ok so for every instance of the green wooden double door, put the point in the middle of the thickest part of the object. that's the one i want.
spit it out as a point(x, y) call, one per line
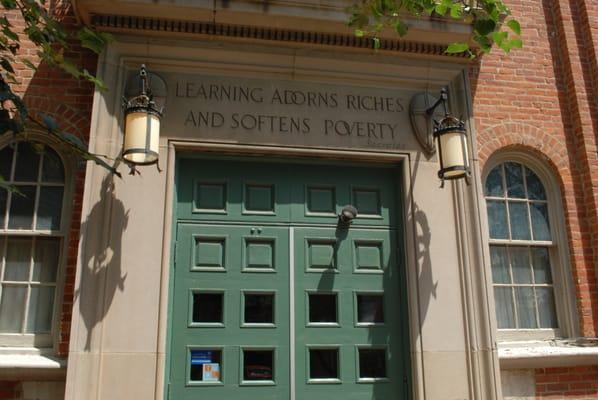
point(272, 298)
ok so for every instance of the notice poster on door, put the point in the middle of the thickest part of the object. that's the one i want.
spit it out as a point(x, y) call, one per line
point(211, 372)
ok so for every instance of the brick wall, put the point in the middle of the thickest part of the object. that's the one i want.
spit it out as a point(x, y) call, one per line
point(574, 382)
point(543, 100)
point(69, 101)
point(9, 390)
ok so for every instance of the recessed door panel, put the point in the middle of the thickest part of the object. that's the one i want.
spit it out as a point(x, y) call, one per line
point(230, 335)
point(272, 298)
point(349, 312)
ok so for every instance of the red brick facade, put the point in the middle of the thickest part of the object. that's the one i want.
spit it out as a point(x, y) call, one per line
point(567, 383)
point(69, 101)
point(543, 100)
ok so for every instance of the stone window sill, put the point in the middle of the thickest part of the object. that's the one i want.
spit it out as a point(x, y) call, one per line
point(548, 353)
point(30, 363)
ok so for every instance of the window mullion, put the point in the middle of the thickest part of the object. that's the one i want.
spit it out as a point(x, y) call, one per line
point(38, 191)
point(527, 208)
point(506, 199)
point(513, 298)
point(536, 308)
point(7, 211)
point(28, 295)
point(3, 265)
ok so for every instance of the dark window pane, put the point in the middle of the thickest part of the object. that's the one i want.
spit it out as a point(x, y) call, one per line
point(520, 264)
point(52, 169)
point(535, 189)
point(3, 200)
point(494, 183)
point(21, 208)
point(541, 264)
point(41, 303)
point(505, 311)
point(49, 209)
point(45, 260)
point(322, 307)
point(514, 176)
point(259, 308)
point(370, 308)
point(258, 365)
point(323, 364)
point(519, 222)
point(540, 224)
point(500, 264)
point(6, 162)
point(206, 366)
point(208, 307)
point(372, 363)
point(27, 166)
point(546, 308)
point(497, 219)
point(12, 308)
point(18, 259)
point(526, 308)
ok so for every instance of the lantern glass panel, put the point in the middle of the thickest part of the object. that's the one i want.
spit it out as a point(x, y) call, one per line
point(453, 153)
point(136, 137)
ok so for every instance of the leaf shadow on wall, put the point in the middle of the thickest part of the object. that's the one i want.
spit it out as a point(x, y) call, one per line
point(101, 270)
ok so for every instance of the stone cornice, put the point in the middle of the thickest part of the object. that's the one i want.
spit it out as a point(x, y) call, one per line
point(121, 23)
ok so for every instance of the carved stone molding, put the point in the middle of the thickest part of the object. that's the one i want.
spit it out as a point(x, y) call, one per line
point(128, 23)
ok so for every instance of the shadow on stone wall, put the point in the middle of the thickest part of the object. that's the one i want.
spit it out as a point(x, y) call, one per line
point(101, 266)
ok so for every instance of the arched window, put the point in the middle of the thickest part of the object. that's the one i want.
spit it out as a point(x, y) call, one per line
point(522, 248)
point(32, 235)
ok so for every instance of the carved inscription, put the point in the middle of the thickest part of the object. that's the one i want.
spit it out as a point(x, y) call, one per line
point(308, 112)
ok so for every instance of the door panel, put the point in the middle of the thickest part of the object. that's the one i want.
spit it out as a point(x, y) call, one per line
point(231, 297)
point(270, 294)
point(363, 279)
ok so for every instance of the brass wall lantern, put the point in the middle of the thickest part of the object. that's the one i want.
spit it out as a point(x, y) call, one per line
point(448, 132)
point(142, 125)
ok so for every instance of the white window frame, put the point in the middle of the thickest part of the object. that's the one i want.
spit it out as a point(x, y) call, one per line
point(563, 289)
point(45, 340)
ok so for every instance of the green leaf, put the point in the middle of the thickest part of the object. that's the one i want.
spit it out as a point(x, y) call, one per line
point(456, 11)
point(359, 33)
point(401, 28)
point(10, 34)
point(376, 43)
point(5, 63)
point(517, 43)
point(9, 4)
point(94, 41)
point(29, 64)
point(499, 37)
point(454, 48)
point(9, 187)
point(506, 46)
point(441, 9)
point(96, 81)
point(484, 42)
point(514, 25)
point(484, 26)
point(69, 67)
